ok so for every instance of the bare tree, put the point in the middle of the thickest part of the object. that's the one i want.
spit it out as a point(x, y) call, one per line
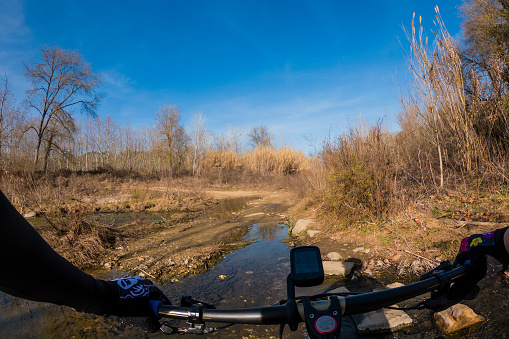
point(62, 81)
point(231, 140)
point(12, 121)
point(260, 137)
point(199, 138)
point(175, 141)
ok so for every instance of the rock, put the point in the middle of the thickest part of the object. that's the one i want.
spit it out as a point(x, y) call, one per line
point(341, 289)
point(395, 285)
point(301, 225)
point(334, 256)
point(361, 249)
point(384, 321)
point(254, 215)
point(312, 233)
point(455, 318)
point(337, 267)
point(30, 214)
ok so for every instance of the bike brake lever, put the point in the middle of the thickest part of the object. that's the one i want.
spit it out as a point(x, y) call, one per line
point(445, 265)
point(187, 301)
point(443, 302)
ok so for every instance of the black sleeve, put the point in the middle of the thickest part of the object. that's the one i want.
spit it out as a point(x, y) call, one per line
point(31, 269)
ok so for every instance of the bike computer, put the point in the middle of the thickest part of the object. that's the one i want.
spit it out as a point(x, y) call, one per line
point(306, 266)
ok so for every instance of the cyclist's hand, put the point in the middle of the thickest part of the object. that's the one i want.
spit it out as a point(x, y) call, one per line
point(132, 306)
point(474, 251)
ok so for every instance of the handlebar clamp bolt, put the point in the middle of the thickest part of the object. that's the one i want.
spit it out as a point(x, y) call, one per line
point(311, 316)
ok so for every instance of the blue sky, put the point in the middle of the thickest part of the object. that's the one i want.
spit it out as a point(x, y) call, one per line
point(301, 68)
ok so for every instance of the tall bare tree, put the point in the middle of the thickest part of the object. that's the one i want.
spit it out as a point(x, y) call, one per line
point(62, 82)
point(12, 121)
point(260, 137)
point(175, 141)
point(199, 138)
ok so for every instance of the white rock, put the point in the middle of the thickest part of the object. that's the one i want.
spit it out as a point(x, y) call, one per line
point(337, 268)
point(254, 214)
point(341, 289)
point(312, 233)
point(384, 321)
point(30, 214)
point(361, 249)
point(334, 256)
point(301, 225)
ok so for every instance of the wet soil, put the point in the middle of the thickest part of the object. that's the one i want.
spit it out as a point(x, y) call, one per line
point(163, 249)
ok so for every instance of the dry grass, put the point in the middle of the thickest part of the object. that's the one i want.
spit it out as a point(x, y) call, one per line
point(454, 124)
point(284, 161)
point(80, 241)
point(361, 175)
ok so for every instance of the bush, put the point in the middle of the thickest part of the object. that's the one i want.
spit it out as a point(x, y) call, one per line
point(360, 175)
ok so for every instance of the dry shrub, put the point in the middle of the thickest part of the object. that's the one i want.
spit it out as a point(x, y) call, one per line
point(222, 159)
point(283, 160)
point(80, 241)
point(360, 175)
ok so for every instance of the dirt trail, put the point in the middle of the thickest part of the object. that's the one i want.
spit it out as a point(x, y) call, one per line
point(165, 252)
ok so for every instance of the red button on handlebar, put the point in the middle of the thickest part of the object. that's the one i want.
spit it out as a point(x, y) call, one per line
point(326, 324)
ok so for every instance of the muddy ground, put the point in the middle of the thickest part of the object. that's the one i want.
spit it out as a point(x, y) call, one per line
point(167, 234)
point(166, 245)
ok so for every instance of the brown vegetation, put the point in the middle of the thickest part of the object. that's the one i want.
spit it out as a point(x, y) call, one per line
point(453, 129)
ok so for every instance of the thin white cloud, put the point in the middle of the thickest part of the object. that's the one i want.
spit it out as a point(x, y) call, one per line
point(118, 80)
point(12, 22)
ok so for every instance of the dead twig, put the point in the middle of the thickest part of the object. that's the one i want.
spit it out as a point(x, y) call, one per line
point(146, 273)
point(434, 262)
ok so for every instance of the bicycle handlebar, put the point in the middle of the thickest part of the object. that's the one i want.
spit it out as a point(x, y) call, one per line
point(350, 305)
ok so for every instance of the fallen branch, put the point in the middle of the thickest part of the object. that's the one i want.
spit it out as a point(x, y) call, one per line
point(434, 262)
point(146, 273)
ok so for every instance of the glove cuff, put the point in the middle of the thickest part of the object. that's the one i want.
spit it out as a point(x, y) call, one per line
point(105, 300)
point(501, 251)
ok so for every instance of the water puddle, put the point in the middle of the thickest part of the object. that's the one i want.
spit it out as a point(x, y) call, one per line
point(227, 209)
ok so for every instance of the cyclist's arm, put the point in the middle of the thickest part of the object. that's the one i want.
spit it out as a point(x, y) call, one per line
point(31, 269)
point(506, 240)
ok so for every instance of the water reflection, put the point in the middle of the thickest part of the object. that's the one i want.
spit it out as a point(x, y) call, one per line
point(264, 231)
point(228, 208)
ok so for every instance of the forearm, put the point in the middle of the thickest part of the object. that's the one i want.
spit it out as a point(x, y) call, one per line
point(31, 269)
point(506, 240)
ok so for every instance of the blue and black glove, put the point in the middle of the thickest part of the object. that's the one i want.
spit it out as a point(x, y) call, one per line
point(132, 305)
point(474, 251)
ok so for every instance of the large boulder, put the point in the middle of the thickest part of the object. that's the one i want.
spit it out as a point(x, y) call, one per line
point(384, 320)
point(302, 225)
point(334, 256)
point(341, 268)
point(455, 318)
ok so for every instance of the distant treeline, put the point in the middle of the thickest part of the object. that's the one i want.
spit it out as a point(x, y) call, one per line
point(43, 134)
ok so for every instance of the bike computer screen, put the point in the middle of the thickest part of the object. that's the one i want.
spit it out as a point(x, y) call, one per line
point(306, 265)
